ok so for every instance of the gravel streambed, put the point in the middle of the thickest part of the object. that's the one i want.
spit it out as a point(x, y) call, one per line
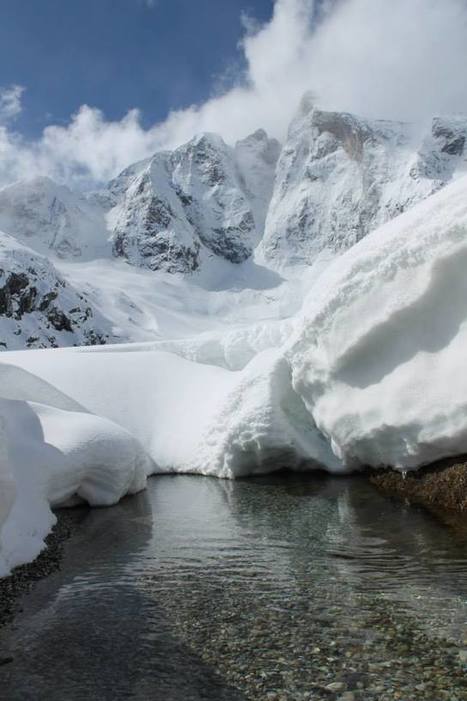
point(309, 651)
point(23, 578)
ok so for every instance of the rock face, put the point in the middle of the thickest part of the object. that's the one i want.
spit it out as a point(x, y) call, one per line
point(340, 176)
point(38, 307)
point(204, 199)
point(53, 220)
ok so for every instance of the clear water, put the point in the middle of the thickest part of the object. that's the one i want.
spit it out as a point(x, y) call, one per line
point(270, 588)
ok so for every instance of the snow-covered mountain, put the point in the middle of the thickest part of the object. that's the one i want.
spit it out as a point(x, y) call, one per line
point(53, 220)
point(340, 176)
point(39, 308)
point(212, 217)
point(204, 199)
point(225, 366)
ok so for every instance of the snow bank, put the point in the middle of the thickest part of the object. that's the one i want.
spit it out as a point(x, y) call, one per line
point(380, 358)
point(50, 454)
point(7, 488)
point(190, 417)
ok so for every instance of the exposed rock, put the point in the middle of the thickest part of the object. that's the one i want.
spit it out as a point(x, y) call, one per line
point(340, 176)
point(441, 487)
point(176, 209)
point(39, 308)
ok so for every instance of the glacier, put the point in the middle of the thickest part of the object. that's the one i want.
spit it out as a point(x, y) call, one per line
point(360, 363)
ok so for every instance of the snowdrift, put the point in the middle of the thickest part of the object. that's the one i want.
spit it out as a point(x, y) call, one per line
point(53, 453)
point(380, 360)
point(371, 371)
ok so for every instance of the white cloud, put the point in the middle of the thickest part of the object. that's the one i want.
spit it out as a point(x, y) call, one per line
point(10, 102)
point(402, 59)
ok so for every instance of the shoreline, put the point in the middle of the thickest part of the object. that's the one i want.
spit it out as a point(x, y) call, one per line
point(23, 578)
point(440, 487)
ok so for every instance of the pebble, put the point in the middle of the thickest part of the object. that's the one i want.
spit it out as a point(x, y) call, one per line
point(335, 686)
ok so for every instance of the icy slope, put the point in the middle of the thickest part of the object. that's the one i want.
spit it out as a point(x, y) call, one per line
point(340, 177)
point(52, 220)
point(380, 361)
point(205, 199)
point(39, 308)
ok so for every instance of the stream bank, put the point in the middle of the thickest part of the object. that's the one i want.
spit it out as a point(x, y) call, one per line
point(440, 487)
point(23, 578)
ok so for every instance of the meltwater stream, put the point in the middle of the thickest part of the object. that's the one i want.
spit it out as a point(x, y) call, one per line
point(285, 587)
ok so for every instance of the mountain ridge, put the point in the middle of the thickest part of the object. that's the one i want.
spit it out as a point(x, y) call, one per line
point(207, 206)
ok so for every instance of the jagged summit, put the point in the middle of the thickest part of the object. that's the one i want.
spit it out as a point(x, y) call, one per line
point(340, 176)
point(212, 212)
point(205, 198)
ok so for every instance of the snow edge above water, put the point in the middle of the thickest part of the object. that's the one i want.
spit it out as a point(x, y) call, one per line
point(373, 374)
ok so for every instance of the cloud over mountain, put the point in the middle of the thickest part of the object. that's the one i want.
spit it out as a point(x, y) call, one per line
point(395, 60)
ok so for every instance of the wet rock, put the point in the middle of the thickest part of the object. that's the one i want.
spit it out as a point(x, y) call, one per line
point(441, 487)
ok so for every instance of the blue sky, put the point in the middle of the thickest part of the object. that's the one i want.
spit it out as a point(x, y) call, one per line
point(156, 55)
point(85, 63)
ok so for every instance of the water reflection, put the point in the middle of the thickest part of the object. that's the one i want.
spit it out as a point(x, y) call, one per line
point(261, 579)
point(90, 632)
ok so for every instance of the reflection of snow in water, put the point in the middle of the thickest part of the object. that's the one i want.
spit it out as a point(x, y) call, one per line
point(247, 571)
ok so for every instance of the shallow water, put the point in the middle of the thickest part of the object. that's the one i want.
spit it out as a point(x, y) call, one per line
point(271, 588)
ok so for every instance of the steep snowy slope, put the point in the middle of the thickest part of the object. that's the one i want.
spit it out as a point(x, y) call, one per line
point(256, 158)
point(339, 177)
point(39, 308)
point(52, 220)
point(177, 209)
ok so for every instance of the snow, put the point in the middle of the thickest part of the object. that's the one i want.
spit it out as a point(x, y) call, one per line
point(339, 177)
point(380, 357)
point(53, 220)
point(344, 359)
point(370, 371)
point(51, 455)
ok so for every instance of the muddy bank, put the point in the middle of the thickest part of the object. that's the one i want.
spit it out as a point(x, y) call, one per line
point(440, 487)
point(22, 578)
